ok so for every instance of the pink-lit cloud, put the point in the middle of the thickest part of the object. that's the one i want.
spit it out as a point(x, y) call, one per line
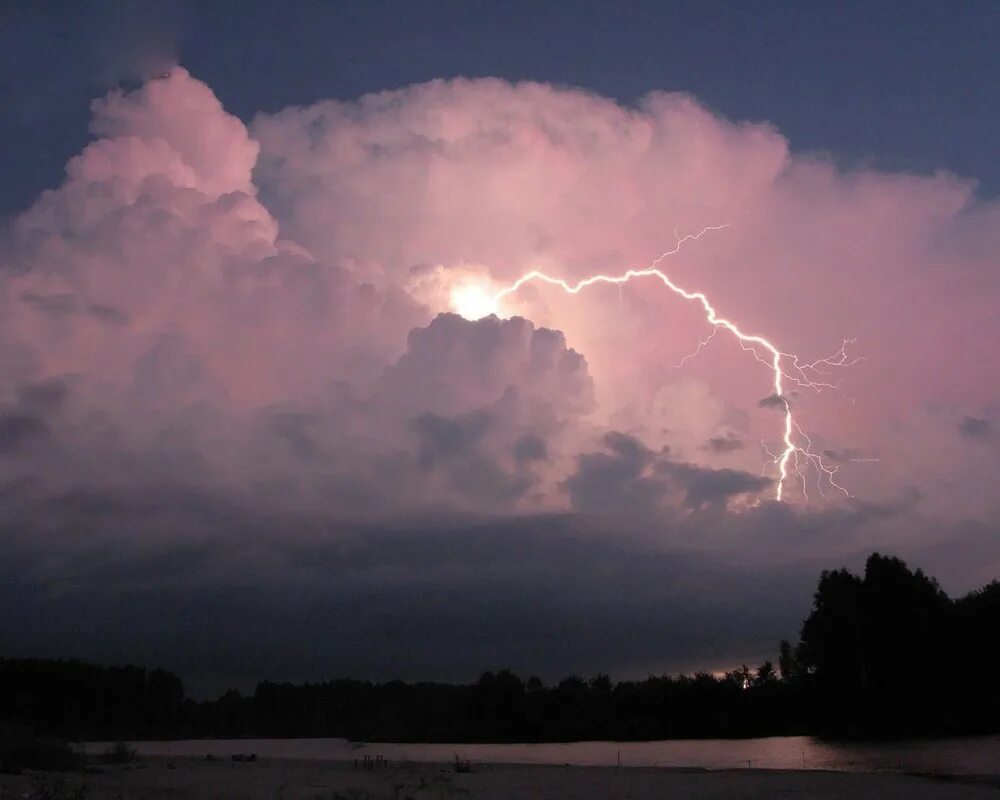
point(257, 313)
point(503, 178)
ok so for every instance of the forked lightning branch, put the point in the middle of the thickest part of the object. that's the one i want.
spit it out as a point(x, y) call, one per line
point(796, 452)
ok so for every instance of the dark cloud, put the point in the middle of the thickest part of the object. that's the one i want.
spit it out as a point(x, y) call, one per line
point(975, 428)
point(772, 401)
point(214, 588)
point(616, 482)
point(840, 456)
point(703, 486)
point(549, 595)
point(46, 396)
point(530, 447)
point(632, 479)
point(454, 365)
point(442, 438)
point(56, 305)
point(454, 447)
point(726, 443)
point(17, 430)
point(26, 420)
point(107, 314)
point(298, 431)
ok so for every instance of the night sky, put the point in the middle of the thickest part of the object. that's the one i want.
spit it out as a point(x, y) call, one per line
point(257, 420)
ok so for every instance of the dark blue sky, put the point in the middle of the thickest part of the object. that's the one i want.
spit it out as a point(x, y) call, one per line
point(905, 86)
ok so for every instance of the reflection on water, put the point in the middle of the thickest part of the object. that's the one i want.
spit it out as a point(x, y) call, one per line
point(967, 756)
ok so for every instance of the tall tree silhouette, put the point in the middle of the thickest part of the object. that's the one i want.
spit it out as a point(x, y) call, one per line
point(882, 654)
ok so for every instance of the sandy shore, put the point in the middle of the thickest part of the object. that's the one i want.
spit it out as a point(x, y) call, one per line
point(191, 779)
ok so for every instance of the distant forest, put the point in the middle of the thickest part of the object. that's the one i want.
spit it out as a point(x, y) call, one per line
point(886, 654)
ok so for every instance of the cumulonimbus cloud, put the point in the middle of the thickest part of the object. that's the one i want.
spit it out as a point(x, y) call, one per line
point(228, 373)
point(262, 313)
point(503, 178)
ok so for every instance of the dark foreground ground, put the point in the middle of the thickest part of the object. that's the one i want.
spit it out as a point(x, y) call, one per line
point(190, 779)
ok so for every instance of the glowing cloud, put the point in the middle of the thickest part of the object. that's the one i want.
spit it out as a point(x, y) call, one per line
point(233, 306)
point(796, 444)
point(473, 301)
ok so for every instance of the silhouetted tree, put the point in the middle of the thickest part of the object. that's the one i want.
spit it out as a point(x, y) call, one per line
point(764, 675)
point(887, 653)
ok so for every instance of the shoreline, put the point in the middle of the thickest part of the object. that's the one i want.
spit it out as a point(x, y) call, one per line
point(958, 756)
point(187, 778)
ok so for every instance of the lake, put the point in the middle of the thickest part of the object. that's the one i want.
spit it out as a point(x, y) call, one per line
point(973, 755)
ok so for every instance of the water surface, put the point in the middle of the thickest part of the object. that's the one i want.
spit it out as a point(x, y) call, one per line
point(977, 755)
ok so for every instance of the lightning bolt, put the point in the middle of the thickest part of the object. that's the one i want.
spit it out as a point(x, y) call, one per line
point(797, 449)
point(697, 351)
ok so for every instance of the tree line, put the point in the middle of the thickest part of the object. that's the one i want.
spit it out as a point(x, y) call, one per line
point(886, 653)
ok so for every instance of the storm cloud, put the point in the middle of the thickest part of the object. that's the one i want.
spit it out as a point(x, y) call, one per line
point(232, 385)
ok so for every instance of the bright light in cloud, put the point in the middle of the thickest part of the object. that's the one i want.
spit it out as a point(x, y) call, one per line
point(309, 325)
point(473, 301)
point(803, 375)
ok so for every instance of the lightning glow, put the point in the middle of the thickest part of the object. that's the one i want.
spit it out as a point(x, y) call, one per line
point(473, 301)
point(797, 450)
